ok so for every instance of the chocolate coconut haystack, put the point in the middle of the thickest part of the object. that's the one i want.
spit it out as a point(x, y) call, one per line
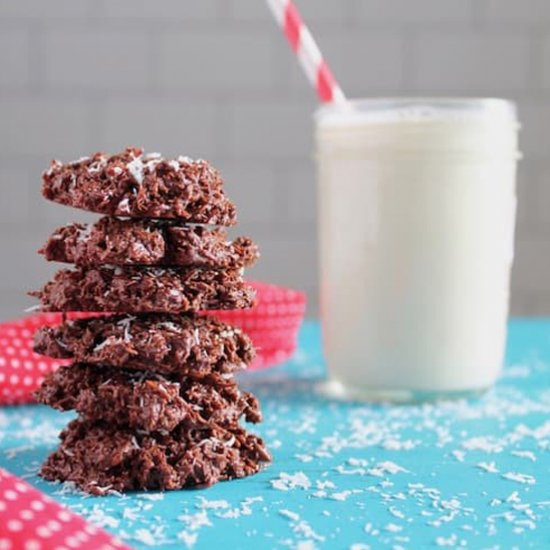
point(152, 381)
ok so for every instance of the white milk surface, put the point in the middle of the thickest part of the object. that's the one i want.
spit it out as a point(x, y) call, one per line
point(417, 213)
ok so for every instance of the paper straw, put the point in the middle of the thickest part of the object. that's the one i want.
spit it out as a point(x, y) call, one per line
point(305, 47)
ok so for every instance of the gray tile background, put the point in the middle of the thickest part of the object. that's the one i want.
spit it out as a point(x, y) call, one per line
point(213, 78)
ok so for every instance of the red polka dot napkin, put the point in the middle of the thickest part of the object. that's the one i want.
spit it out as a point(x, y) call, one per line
point(30, 520)
point(272, 325)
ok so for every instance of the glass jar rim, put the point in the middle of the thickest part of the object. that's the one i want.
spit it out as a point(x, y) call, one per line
point(416, 109)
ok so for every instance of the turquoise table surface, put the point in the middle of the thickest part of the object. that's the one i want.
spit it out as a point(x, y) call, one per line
point(470, 474)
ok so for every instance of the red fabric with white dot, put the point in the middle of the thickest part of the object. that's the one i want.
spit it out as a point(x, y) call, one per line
point(272, 325)
point(30, 520)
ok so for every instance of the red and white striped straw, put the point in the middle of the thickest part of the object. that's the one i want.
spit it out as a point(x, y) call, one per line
point(305, 47)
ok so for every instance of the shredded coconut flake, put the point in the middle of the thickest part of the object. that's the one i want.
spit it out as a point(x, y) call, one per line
point(489, 467)
point(213, 504)
point(286, 482)
point(386, 467)
point(290, 515)
point(144, 536)
point(196, 521)
point(525, 454)
point(459, 455)
point(135, 167)
point(189, 539)
point(520, 478)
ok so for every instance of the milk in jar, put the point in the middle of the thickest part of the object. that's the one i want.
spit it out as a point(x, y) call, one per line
point(416, 216)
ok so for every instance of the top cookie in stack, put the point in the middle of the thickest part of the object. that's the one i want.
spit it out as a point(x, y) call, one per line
point(175, 422)
point(141, 186)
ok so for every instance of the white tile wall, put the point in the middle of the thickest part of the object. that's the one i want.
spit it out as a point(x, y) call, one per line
point(377, 60)
point(85, 59)
point(535, 119)
point(255, 189)
point(213, 78)
point(545, 62)
point(230, 62)
point(540, 207)
point(14, 58)
point(530, 11)
point(52, 9)
point(490, 62)
point(265, 129)
point(168, 125)
point(43, 126)
point(420, 11)
point(166, 10)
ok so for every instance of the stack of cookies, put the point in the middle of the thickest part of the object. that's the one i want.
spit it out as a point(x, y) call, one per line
point(151, 379)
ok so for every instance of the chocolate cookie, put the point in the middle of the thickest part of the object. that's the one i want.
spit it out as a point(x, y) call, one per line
point(143, 289)
point(148, 242)
point(137, 185)
point(170, 344)
point(146, 401)
point(100, 458)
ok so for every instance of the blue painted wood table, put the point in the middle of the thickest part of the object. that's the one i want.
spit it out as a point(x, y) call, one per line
point(460, 474)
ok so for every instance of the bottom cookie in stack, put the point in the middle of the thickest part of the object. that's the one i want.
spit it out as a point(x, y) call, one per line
point(100, 458)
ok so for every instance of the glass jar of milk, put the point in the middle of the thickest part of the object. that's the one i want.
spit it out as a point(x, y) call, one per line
point(417, 214)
